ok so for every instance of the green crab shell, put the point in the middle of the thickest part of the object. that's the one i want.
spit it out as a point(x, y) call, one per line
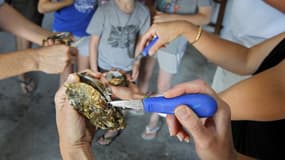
point(90, 103)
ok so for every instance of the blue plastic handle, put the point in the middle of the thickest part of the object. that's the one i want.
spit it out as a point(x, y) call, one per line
point(150, 44)
point(202, 104)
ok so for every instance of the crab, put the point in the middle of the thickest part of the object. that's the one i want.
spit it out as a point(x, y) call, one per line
point(89, 97)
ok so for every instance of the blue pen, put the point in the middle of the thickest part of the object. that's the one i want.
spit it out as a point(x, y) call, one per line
point(145, 51)
point(202, 104)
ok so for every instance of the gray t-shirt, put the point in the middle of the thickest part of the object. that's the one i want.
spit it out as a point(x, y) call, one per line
point(178, 45)
point(118, 34)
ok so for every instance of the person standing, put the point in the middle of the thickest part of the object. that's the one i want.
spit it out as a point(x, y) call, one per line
point(72, 16)
point(169, 57)
point(115, 29)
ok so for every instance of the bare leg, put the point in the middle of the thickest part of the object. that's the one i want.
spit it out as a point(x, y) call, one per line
point(65, 73)
point(164, 82)
point(83, 63)
point(146, 69)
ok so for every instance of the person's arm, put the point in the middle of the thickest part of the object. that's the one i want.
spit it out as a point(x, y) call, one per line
point(93, 53)
point(52, 59)
point(202, 17)
point(278, 4)
point(259, 98)
point(229, 55)
point(45, 6)
point(20, 26)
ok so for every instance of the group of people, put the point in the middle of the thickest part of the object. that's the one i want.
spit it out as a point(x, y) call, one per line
point(257, 99)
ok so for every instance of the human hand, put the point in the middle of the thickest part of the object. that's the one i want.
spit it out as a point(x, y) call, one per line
point(212, 136)
point(161, 17)
point(165, 31)
point(75, 132)
point(127, 93)
point(54, 59)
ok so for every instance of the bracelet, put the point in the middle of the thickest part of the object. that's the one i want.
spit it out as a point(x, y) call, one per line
point(198, 36)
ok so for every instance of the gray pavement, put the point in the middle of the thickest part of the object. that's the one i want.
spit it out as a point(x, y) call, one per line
point(27, 122)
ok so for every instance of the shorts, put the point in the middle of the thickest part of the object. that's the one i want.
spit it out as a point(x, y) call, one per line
point(28, 8)
point(169, 62)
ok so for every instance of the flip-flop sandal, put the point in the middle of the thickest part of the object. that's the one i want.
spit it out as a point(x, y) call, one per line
point(150, 133)
point(28, 85)
point(108, 140)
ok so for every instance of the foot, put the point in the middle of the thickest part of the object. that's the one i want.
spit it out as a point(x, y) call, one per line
point(108, 137)
point(150, 133)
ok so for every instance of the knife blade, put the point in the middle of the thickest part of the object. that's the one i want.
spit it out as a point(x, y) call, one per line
point(202, 104)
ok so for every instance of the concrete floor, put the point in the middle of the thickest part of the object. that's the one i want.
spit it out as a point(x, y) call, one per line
point(27, 122)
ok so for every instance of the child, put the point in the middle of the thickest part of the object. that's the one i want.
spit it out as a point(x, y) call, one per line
point(115, 30)
point(72, 16)
point(196, 12)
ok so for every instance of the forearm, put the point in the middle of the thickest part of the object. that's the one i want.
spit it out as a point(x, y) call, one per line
point(19, 62)
point(197, 19)
point(93, 60)
point(83, 152)
point(93, 52)
point(224, 53)
point(49, 6)
point(20, 26)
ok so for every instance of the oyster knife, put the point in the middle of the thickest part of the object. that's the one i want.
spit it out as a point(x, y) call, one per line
point(202, 104)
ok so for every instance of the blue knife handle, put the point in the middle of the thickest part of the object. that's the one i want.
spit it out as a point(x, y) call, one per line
point(150, 44)
point(202, 104)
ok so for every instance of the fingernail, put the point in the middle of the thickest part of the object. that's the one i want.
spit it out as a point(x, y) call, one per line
point(179, 137)
point(181, 112)
point(70, 78)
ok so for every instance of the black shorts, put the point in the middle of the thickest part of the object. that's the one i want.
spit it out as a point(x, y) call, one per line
point(28, 8)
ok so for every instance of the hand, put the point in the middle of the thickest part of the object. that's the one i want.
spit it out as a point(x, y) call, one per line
point(127, 93)
point(166, 33)
point(75, 133)
point(161, 17)
point(212, 136)
point(135, 71)
point(54, 59)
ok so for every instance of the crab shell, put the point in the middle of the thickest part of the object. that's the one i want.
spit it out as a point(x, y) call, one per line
point(91, 103)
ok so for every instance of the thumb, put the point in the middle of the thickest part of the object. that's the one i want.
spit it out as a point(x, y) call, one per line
point(72, 78)
point(190, 122)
